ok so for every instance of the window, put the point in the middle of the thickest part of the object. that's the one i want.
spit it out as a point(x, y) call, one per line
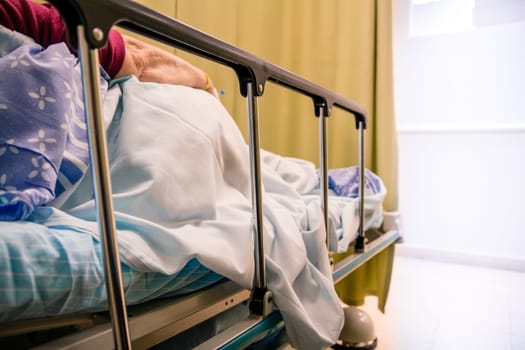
point(489, 12)
point(433, 17)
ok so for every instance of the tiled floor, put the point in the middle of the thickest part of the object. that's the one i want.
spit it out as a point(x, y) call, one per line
point(440, 306)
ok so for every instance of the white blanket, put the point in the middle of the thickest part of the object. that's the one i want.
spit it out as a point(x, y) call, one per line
point(181, 189)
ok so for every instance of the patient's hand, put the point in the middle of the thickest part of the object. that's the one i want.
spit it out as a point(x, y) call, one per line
point(152, 64)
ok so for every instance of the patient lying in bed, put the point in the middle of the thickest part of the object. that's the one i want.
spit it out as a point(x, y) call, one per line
point(180, 177)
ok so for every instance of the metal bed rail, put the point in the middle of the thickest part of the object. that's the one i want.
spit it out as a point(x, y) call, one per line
point(88, 23)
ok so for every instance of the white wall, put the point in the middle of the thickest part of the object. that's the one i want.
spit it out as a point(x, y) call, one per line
point(460, 104)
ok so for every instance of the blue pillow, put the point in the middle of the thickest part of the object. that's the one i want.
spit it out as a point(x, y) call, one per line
point(43, 138)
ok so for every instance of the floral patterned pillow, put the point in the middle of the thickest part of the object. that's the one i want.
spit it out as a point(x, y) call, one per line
point(43, 140)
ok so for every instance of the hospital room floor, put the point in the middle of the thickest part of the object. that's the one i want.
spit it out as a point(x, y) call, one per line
point(441, 306)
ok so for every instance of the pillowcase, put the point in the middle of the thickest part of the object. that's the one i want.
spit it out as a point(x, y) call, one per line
point(345, 182)
point(43, 138)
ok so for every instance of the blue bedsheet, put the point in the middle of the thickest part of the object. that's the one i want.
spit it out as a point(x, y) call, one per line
point(50, 269)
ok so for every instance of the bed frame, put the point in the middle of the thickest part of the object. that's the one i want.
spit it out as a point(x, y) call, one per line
point(143, 326)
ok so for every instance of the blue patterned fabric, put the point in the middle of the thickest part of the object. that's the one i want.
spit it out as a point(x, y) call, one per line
point(345, 182)
point(43, 139)
point(67, 270)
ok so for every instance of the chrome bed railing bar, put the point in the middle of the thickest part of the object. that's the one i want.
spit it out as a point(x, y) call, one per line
point(98, 16)
point(261, 297)
point(360, 242)
point(323, 174)
point(102, 188)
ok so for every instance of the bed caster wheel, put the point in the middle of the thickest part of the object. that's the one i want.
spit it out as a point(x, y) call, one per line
point(358, 331)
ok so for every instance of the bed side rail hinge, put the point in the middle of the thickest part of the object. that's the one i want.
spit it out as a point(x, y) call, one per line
point(261, 302)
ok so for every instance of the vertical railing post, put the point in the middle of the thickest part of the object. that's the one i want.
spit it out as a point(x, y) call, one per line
point(102, 188)
point(323, 175)
point(360, 244)
point(261, 297)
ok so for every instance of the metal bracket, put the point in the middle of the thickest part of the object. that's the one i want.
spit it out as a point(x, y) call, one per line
point(261, 302)
point(321, 105)
point(360, 244)
point(248, 75)
point(97, 19)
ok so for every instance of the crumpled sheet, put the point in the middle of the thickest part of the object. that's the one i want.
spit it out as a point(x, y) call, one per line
point(181, 190)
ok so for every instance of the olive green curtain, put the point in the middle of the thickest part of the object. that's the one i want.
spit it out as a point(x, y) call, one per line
point(344, 45)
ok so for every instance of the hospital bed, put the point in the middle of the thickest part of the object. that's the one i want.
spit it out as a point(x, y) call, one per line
point(208, 309)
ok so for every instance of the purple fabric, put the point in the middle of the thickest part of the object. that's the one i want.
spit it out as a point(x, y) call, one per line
point(345, 182)
point(43, 140)
point(43, 23)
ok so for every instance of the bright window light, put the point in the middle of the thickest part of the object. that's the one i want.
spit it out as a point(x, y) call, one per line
point(435, 17)
point(419, 2)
